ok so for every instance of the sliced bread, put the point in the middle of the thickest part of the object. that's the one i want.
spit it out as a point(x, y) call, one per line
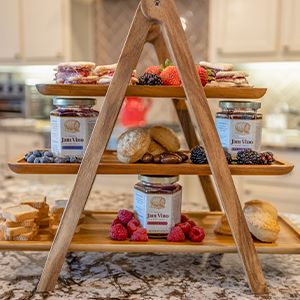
point(19, 213)
point(35, 201)
point(25, 223)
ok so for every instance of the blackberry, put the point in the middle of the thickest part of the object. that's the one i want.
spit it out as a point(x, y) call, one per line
point(266, 158)
point(228, 157)
point(150, 79)
point(248, 157)
point(198, 155)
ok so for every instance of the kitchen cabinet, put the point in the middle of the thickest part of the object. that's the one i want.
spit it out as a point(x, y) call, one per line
point(291, 28)
point(46, 32)
point(10, 49)
point(257, 30)
point(44, 24)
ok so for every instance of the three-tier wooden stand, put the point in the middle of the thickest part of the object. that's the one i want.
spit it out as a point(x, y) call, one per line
point(157, 22)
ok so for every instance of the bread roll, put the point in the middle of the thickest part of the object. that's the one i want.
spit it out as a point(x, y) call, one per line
point(262, 220)
point(155, 148)
point(165, 137)
point(132, 145)
point(222, 227)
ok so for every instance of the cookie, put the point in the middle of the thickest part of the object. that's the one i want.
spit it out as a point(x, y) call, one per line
point(132, 145)
point(165, 137)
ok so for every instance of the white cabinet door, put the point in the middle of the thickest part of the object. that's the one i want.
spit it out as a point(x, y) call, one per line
point(246, 27)
point(10, 30)
point(43, 29)
point(290, 27)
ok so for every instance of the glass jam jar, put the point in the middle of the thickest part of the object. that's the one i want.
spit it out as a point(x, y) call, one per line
point(157, 203)
point(239, 125)
point(72, 123)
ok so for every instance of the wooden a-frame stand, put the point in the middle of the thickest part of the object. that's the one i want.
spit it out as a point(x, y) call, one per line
point(150, 17)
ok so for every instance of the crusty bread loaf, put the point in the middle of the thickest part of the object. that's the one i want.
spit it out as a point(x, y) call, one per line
point(132, 145)
point(19, 213)
point(165, 137)
point(34, 200)
point(222, 226)
point(262, 220)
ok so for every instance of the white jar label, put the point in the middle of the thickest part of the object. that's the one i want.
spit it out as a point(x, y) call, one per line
point(236, 135)
point(158, 213)
point(70, 135)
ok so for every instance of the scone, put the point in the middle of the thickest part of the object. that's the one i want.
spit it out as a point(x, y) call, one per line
point(262, 220)
point(222, 227)
point(165, 137)
point(132, 145)
point(155, 148)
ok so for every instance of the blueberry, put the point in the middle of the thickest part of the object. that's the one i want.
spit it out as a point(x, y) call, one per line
point(27, 154)
point(73, 159)
point(59, 160)
point(46, 160)
point(31, 159)
point(37, 160)
point(37, 153)
point(48, 153)
point(67, 159)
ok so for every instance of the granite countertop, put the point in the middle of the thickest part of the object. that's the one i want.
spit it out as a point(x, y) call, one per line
point(133, 275)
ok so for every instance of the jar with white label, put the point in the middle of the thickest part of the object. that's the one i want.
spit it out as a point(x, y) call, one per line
point(157, 203)
point(72, 123)
point(239, 125)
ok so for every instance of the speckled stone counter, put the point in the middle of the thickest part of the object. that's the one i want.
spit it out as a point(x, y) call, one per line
point(137, 276)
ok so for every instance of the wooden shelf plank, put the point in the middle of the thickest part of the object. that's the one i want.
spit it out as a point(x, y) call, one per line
point(111, 165)
point(93, 90)
point(93, 236)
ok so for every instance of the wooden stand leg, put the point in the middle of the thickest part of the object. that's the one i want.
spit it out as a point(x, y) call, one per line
point(156, 39)
point(165, 12)
point(101, 133)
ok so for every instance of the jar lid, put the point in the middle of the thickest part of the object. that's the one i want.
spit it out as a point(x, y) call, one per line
point(239, 104)
point(58, 101)
point(159, 179)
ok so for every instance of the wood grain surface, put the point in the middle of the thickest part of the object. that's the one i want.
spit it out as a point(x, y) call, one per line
point(102, 131)
point(94, 236)
point(110, 165)
point(166, 13)
point(93, 90)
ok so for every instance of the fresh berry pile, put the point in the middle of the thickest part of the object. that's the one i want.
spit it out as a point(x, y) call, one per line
point(187, 229)
point(244, 157)
point(167, 74)
point(127, 226)
point(47, 157)
point(198, 156)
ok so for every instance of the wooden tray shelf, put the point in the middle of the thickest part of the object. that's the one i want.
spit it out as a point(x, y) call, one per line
point(93, 90)
point(93, 236)
point(110, 165)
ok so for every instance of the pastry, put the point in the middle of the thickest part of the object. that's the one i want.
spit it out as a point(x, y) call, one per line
point(132, 145)
point(222, 227)
point(156, 148)
point(262, 220)
point(165, 137)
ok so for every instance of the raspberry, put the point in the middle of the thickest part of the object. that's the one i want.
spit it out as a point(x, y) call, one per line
point(184, 218)
point(192, 223)
point(125, 216)
point(186, 227)
point(196, 234)
point(118, 232)
point(203, 75)
point(140, 235)
point(176, 235)
point(116, 221)
point(132, 226)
